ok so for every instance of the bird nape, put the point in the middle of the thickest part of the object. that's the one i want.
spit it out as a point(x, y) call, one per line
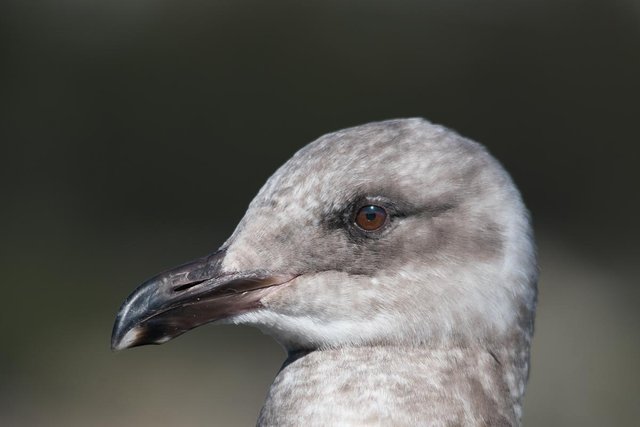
point(394, 260)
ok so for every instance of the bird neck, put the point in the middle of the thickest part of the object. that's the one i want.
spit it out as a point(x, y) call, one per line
point(399, 386)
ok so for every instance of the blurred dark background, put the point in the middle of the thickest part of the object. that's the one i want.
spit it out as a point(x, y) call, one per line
point(133, 135)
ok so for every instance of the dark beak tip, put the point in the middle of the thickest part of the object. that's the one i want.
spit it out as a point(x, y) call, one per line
point(121, 341)
point(123, 335)
point(116, 342)
point(128, 332)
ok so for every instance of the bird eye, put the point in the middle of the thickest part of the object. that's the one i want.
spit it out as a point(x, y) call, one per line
point(371, 217)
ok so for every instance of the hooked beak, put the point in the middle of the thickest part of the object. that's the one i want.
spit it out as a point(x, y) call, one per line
point(188, 296)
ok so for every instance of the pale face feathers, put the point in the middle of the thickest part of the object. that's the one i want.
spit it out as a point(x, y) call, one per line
point(456, 263)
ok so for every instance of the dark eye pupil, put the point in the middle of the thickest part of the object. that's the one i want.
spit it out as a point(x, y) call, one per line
point(371, 216)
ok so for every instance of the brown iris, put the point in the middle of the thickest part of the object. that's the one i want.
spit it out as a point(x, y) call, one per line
point(371, 217)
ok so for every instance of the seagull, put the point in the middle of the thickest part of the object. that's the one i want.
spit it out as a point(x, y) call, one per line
point(395, 263)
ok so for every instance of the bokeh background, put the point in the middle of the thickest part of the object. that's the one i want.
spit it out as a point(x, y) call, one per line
point(133, 135)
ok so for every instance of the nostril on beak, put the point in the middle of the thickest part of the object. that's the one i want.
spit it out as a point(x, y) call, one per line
point(187, 286)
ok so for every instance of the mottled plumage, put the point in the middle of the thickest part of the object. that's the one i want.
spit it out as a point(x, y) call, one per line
point(427, 321)
point(391, 385)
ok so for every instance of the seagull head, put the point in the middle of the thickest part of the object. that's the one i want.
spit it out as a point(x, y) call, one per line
point(391, 233)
